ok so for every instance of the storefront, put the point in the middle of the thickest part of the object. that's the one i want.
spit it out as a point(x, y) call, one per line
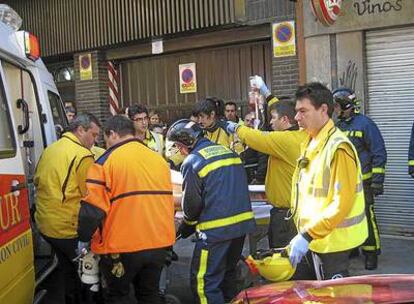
point(224, 42)
point(371, 48)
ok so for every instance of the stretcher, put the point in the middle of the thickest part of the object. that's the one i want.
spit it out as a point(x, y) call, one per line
point(260, 206)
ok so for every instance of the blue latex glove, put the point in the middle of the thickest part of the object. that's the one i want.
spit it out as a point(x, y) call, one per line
point(231, 127)
point(257, 82)
point(83, 247)
point(299, 246)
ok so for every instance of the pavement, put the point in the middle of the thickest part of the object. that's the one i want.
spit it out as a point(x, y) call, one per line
point(396, 258)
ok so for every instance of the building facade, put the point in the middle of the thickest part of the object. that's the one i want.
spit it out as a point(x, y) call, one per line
point(370, 47)
point(147, 41)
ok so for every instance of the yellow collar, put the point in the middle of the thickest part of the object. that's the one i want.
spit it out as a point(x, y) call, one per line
point(72, 137)
point(312, 146)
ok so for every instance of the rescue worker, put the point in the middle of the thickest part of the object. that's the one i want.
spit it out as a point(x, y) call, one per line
point(60, 184)
point(129, 210)
point(216, 205)
point(283, 147)
point(139, 115)
point(70, 113)
point(230, 112)
point(327, 194)
point(210, 116)
point(154, 118)
point(411, 154)
point(368, 142)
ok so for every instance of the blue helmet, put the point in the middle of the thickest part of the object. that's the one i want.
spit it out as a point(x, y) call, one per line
point(185, 131)
point(345, 97)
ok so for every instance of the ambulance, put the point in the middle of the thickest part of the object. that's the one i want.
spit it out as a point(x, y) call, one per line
point(31, 117)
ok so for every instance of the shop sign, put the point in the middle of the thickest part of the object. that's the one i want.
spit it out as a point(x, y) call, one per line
point(326, 11)
point(283, 37)
point(188, 81)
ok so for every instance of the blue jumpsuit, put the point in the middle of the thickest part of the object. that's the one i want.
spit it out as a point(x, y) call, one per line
point(368, 142)
point(216, 200)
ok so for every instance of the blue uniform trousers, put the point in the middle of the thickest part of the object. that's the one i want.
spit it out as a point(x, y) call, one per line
point(213, 270)
point(372, 244)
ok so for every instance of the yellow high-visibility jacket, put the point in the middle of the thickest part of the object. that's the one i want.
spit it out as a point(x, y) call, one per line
point(219, 135)
point(60, 181)
point(155, 142)
point(284, 150)
point(330, 197)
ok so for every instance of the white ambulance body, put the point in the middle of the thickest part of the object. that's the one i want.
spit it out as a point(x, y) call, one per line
point(31, 117)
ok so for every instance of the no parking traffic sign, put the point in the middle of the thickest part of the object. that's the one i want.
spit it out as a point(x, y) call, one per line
point(283, 36)
point(188, 81)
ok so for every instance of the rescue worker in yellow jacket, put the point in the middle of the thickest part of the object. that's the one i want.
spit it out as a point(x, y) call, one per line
point(210, 113)
point(327, 192)
point(129, 214)
point(283, 146)
point(139, 115)
point(60, 184)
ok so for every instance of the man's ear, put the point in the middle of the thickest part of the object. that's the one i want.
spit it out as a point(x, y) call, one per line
point(285, 119)
point(324, 107)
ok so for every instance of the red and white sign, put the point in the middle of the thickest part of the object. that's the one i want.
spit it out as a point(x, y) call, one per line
point(326, 11)
point(188, 80)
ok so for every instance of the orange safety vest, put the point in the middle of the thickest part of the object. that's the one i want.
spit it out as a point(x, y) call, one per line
point(132, 185)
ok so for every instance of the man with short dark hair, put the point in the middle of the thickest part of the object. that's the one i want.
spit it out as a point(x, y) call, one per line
point(60, 181)
point(128, 213)
point(139, 115)
point(70, 113)
point(283, 147)
point(230, 111)
point(328, 197)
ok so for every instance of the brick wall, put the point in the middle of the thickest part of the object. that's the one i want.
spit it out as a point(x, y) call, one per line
point(285, 75)
point(92, 95)
point(285, 70)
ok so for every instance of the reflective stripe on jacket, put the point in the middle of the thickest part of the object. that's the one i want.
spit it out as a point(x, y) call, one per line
point(216, 197)
point(58, 190)
point(319, 194)
point(135, 193)
point(154, 141)
point(369, 144)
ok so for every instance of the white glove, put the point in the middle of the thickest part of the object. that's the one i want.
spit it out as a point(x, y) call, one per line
point(258, 83)
point(299, 246)
point(89, 268)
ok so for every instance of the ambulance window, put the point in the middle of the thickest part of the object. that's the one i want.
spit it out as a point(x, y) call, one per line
point(58, 113)
point(7, 145)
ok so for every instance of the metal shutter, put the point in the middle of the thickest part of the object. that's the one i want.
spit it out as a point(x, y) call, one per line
point(390, 76)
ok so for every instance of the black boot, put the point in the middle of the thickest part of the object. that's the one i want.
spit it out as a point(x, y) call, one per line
point(354, 253)
point(371, 261)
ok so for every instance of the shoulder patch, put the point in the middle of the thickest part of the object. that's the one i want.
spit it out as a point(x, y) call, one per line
point(212, 151)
